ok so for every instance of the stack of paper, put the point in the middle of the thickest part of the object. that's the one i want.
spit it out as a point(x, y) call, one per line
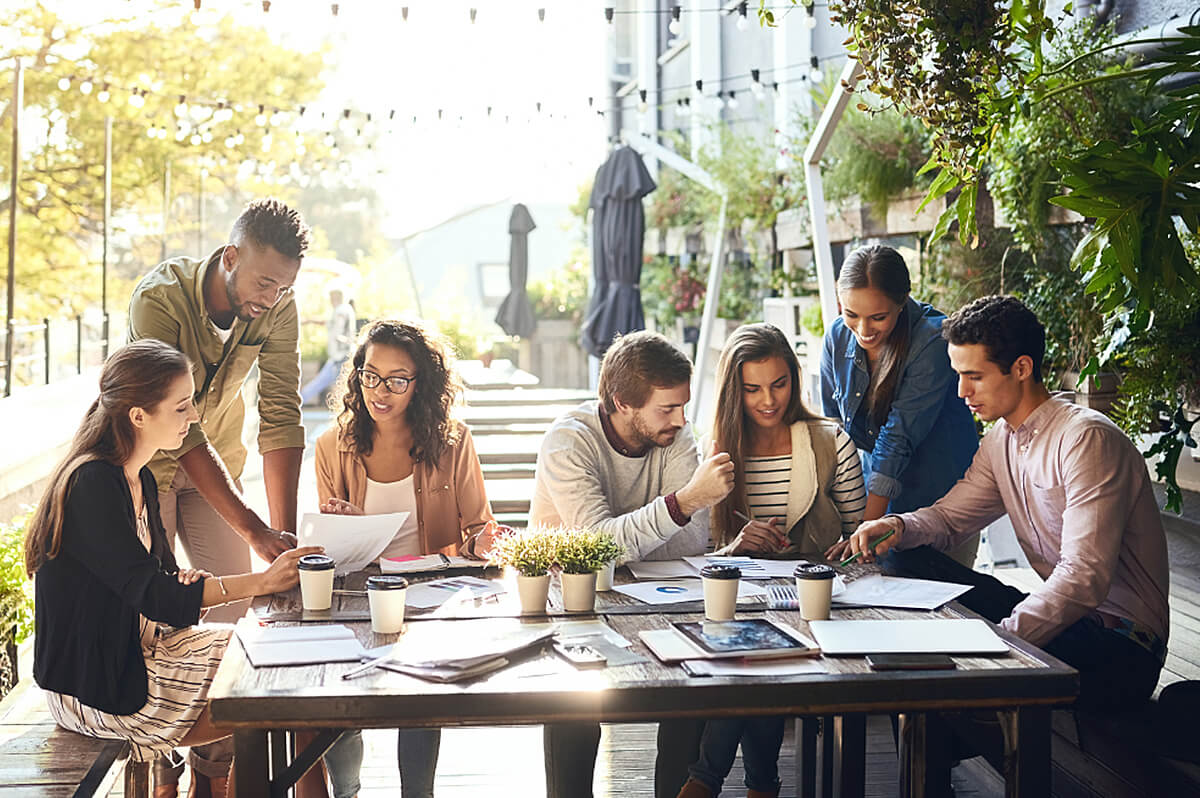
point(456, 588)
point(450, 651)
point(353, 541)
point(297, 645)
point(899, 592)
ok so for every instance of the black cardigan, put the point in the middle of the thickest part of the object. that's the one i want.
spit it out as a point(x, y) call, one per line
point(88, 598)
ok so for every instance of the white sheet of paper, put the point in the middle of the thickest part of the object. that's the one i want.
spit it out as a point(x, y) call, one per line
point(661, 569)
point(456, 588)
point(353, 541)
point(919, 636)
point(753, 667)
point(680, 590)
point(573, 630)
point(894, 591)
point(752, 567)
point(297, 645)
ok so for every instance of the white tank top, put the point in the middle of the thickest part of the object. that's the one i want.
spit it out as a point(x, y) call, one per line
point(395, 497)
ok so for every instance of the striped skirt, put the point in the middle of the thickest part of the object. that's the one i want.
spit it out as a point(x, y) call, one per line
point(180, 666)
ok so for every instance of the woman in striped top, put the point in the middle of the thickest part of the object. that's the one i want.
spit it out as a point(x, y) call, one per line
point(798, 480)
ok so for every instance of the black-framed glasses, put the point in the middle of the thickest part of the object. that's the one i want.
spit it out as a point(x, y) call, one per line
point(396, 385)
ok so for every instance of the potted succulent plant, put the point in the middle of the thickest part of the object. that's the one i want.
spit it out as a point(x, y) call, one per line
point(530, 553)
point(581, 554)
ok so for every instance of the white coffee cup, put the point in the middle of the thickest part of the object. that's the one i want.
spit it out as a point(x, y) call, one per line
point(386, 596)
point(316, 581)
point(814, 586)
point(720, 591)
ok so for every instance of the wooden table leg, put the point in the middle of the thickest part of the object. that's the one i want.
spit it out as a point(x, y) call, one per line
point(1026, 751)
point(250, 762)
point(914, 776)
point(850, 736)
point(806, 756)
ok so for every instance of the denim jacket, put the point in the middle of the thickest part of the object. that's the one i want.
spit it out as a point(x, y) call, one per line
point(928, 438)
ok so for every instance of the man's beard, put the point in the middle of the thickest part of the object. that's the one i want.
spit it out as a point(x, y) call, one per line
point(644, 437)
point(240, 308)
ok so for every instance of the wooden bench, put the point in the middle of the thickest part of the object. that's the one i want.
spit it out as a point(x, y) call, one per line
point(37, 758)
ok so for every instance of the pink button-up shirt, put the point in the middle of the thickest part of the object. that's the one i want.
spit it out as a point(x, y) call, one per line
point(1078, 495)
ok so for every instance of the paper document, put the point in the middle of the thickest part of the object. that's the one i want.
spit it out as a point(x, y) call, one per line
point(681, 590)
point(895, 591)
point(462, 644)
point(353, 541)
point(752, 567)
point(921, 636)
point(661, 569)
point(574, 630)
point(457, 588)
point(425, 563)
point(297, 645)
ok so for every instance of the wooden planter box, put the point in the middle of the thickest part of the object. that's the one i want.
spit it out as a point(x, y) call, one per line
point(553, 354)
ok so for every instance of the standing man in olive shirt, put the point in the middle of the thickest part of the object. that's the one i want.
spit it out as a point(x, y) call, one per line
point(226, 313)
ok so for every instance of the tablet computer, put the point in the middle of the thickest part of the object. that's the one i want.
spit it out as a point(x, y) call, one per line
point(751, 637)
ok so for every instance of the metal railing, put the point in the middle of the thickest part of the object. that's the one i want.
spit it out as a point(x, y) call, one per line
point(54, 349)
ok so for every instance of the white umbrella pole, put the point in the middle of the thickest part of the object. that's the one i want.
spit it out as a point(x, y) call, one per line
point(711, 298)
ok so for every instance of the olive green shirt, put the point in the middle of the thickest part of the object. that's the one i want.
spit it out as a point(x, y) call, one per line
point(168, 304)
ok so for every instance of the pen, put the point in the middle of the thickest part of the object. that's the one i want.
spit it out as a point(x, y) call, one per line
point(854, 557)
point(366, 666)
point(743, 516)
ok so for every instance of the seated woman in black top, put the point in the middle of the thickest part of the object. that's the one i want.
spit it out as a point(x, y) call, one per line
point(116, 648)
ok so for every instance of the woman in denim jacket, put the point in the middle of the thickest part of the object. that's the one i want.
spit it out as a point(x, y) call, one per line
point(886, 377)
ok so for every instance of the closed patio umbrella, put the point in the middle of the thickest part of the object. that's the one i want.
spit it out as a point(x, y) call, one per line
point(515, 316)
point(618, 225)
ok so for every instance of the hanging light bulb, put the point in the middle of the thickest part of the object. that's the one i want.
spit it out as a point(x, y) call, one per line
point(330, 140)
point(266, 143)
point(85, 88)
point(261, 118)
point(816, 75)
point(541, 15)
point(404, 13)
point(732, 102)
point(756, 87)
point(675, 26)
point(181, 108)
point(206, 137)
point(810, 18)
point(103, 95)
point(230, 142)
point(742, 22)
point(64, 83)
point(240, 137)
point(474, 11)
point(642, 105)
point(609, 11)
point(136, 99)
point(196, 139)
point(152, 132)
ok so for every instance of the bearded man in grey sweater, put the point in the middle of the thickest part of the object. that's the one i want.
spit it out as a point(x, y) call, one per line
point(629, 464)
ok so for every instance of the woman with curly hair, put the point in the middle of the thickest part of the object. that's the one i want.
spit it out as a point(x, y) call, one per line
point(396, 448)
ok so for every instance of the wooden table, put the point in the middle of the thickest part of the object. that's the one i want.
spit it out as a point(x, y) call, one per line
point(1023, 687)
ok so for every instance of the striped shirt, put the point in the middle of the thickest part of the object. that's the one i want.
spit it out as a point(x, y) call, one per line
point(767, 485)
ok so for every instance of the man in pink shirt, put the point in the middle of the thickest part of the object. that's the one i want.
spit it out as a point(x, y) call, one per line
point(1078, 495)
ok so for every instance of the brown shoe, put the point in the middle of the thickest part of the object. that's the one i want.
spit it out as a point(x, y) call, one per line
point(694, 789)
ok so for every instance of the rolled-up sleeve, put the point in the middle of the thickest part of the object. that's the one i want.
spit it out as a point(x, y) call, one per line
point(279, 383)
point(915, 408)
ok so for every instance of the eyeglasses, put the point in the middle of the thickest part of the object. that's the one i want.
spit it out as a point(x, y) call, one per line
point(396, 385)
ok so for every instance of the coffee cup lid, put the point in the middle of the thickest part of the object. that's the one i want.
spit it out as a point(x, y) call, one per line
point(315, 562)
point(813, 571)
point(386, 582)
point(721, 572)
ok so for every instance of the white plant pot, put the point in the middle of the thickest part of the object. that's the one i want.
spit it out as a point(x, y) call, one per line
point(579, 592)
point(533, 592)
point(604, 577)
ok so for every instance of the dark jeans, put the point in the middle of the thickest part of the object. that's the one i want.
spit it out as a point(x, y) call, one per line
point(760, 739)
point(570, 757)
point(1115, 673)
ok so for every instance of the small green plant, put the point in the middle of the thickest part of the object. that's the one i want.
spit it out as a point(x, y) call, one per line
point(530, 552)
point(16, 589)
point(563, 293)
point(582, 551)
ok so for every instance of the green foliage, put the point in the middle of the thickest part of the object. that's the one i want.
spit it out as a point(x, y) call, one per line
point(16, 589)
point(675, 203)
point(812, 321)
point(671, 289)
point(746, 168)
point(582, 551)
point(1021, 174)
point(563, 293)
point(530, 551)
point(465, 333)
point(875, 155)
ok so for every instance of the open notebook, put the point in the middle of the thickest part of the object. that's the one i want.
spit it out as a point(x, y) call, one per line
point(310, 644)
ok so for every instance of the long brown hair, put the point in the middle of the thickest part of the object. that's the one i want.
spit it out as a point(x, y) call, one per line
point(883, 269)
point(749, 343)
point(436, 388)
point(137, 375)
